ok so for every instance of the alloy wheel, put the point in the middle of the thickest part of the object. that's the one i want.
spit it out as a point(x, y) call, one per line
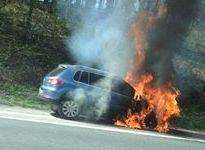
point(70, 109)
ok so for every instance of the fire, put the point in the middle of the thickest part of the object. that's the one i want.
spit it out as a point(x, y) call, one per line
point(162, 105)
point(161, 99)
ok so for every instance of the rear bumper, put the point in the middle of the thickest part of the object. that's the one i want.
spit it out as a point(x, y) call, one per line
point(46, 96)
point(47, 99)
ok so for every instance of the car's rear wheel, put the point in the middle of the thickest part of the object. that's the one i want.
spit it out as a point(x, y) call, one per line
point(55, 109)
point(69, 109)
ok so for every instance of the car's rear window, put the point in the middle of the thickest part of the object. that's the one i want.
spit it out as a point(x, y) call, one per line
point(57, 71)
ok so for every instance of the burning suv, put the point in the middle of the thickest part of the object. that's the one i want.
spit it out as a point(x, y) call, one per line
point(76, 90)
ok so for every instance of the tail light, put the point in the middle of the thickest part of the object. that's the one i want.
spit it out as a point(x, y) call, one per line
point(55, 81)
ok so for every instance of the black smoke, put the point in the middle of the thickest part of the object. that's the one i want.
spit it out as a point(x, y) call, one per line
point(167, 36)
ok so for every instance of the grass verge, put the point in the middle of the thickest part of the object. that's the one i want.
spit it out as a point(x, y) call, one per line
point(21, 95)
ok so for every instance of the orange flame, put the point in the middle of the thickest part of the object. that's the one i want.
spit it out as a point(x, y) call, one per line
point(162, 100)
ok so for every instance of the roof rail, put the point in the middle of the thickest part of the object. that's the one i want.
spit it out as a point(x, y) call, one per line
point(63, 65)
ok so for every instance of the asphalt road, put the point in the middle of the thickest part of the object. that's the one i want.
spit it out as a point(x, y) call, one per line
point(26, 131)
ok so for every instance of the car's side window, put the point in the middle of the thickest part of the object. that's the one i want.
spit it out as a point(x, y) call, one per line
point(95, 78)
point(77, 75)
point(84, 77)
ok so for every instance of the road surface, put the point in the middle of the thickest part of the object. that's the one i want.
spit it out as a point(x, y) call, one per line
point(23, 129)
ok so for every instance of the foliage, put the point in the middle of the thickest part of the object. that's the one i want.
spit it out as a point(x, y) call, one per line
point(28, 52)
point(192, 118)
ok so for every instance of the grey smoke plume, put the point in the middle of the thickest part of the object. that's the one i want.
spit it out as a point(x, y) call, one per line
point(103, 39)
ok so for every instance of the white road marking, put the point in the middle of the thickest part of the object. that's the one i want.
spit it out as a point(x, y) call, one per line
point(48, 119)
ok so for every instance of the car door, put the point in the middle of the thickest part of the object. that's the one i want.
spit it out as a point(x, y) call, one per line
point(83, 89)
point(100, 94)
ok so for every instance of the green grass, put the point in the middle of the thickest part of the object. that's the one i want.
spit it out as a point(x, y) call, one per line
point(21, 95)
point(192, 118)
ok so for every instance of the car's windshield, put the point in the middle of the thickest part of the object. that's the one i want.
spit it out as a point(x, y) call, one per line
point(122, 87)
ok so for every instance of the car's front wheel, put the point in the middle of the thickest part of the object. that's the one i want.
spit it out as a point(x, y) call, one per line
point(69, 109)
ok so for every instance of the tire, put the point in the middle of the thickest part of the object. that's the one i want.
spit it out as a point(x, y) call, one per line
point(69, 109)
point(55, 109)
point(138, 106)
point(151, 120)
